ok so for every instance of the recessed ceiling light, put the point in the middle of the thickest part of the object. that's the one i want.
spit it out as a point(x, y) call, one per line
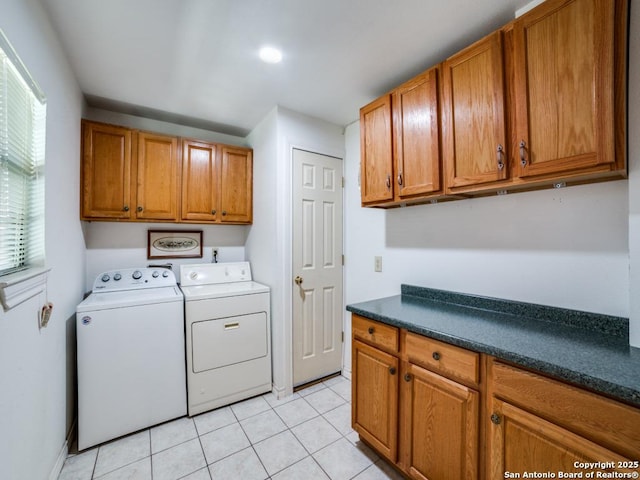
point(270, 55)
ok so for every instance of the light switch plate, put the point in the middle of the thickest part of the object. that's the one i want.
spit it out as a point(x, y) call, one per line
point(377, 264)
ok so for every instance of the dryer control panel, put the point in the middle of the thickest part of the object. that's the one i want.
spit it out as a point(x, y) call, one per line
point(214, 273)
point(133, 278)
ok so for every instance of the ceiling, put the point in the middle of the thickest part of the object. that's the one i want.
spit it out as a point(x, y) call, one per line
point(195, 62)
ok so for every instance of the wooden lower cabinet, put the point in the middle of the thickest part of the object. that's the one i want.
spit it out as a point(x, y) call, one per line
point(441, 412)
point(522, 442)
point(439, 426)
point(374, 406)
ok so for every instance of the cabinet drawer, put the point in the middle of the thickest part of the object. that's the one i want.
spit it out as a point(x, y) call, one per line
point(375, 333)
point(448, 360)
point(605, 421)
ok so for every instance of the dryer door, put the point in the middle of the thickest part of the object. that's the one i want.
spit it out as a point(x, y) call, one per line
point(227, 341)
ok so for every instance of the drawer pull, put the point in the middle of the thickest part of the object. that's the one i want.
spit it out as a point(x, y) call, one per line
point(495, 418)
point(371, 330)
point(407, 377)
point(392, 370)
point(436, 355)
point(231, 326)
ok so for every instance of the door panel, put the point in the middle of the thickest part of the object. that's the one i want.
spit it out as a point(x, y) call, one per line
point(158, 177)
point(199, 181)
point(317, 261)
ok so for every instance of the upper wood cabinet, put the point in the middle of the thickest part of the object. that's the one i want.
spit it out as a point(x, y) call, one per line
point(236, 184)
point(106, 172)
point(200, 180)
point(158, 177)
point(416, 135)
point(217, 183)
point(564, 61)
point(474, 115)
point(540, 102)
point(400, 144)
point(376, 149)
point(130, 175)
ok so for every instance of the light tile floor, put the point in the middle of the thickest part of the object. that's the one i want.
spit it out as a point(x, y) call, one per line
point(306, 436)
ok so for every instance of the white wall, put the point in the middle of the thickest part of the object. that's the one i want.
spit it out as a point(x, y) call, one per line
point(269, 243)
point(634, 173)
point(113, 245)
point(37, 367)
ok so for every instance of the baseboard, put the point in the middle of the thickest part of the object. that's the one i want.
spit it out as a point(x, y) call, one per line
point(62, 456)
point(279, 392)
point(346, 373)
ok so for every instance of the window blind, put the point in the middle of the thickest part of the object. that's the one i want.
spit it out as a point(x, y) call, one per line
point(22, 146)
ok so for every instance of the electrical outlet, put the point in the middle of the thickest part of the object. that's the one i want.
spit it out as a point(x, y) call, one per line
point(377, 264)
point(214, 255)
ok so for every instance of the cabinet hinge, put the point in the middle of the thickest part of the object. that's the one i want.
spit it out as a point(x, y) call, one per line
point(342, 337)
point(343, 260)
point(342, 182)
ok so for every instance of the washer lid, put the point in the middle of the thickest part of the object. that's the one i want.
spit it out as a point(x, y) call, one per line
point(221, 290)
point(129, 298)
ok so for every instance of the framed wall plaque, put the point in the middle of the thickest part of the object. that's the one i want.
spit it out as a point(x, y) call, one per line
point(174, 244)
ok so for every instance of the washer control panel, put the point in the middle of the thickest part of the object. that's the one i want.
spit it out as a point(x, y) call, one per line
point(134, 278)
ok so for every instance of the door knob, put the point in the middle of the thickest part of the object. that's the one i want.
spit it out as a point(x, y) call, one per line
point(298, 280)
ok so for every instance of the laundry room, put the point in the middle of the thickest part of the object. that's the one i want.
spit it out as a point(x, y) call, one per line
point(410, 207)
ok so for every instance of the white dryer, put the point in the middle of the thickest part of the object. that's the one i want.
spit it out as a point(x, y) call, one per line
point(131, 354)
point(228, 332)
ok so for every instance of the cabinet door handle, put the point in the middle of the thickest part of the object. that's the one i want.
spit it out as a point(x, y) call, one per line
point(495, 418)
point(500, 154)
point(392, 370)
point(400, 179)
point(407, 377)
point(371, 330)
point(388, 182)
point(140, 208)
point(125, 208)
point(436, 355)
point(224, 212)
point(523, 153)
point(213, 212)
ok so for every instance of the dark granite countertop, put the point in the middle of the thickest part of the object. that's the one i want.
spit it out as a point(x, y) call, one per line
point(584, 348)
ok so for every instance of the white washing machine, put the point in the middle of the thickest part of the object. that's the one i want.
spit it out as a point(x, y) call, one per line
point(228, 332)
point(131, 354)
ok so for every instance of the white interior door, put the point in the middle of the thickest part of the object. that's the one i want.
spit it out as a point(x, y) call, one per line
point(317, 266)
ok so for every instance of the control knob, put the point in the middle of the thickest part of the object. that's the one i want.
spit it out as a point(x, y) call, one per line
point(117, 277)
point(155, 274)
point(106, 278)
point(165, 274)
point(137, 275)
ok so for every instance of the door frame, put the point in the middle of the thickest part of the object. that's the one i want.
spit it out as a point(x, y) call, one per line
point(287, 244)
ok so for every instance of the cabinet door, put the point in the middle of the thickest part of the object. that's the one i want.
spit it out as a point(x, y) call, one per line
point(158, 172)
point(376, 162)
point(439, 427)
point(106, 171)
point(236, 185)
point(375, 398)
point(416, 136)
point(521, 442)
point(200, 175)
point(474, 115)
point(564, 87)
